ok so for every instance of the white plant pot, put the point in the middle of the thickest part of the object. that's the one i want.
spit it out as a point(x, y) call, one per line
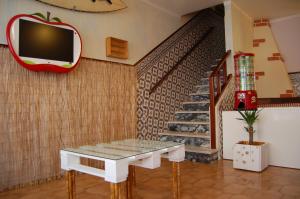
point(250, 157)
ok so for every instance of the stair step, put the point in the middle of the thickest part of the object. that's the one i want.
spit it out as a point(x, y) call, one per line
point(187, 126)
point(204, 81)
point(196, 106)
point(200, 154)
point(200, 116)
point(192, 141)
point(203, 150)
point(199, 85)
point(200, 96)
point(202, 88)
point(192, 112)
point(192, 102)
point(208, 73)
point(200, 93)
point(185, 134)
point(186, 122)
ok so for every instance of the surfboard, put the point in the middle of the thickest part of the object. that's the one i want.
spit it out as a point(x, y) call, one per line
point(88, 5)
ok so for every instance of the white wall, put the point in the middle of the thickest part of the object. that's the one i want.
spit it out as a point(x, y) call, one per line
point(142, 25)
point(229, 36)
point(286, 32)
point(242, 29)
point(238, 31)
point(280, 127)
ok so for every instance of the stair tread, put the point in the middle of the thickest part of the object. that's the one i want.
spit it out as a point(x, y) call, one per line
point(191, 112)
point(195, 149)
point(186, 122)
point(184, 134)
point(196, 102)
point(201, 85)
point(199, 93)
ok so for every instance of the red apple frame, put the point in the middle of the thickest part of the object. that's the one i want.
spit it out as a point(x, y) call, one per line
point(40, 67)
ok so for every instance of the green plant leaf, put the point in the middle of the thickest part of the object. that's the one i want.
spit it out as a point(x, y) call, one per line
point(249, 117)
point(56, 19)
point(40, 15)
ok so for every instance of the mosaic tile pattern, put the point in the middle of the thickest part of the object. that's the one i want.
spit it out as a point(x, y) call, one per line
point(156, 109)
point(227, 104)
point(295, 79)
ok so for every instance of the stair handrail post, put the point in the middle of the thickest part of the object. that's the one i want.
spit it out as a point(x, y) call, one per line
point(225, 71)
point(212, 109)
point(214, 99)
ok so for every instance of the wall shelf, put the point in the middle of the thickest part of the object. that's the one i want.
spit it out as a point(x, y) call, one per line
point(116, 48)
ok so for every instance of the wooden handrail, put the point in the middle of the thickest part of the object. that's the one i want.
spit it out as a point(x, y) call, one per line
point(216, 74)
point(180, 61)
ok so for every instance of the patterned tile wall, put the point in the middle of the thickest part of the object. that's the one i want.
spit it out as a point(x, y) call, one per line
point(226, 104)
point(156, 109)
point(295, 78)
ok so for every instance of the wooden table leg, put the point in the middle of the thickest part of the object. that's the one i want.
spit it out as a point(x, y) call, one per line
point(115, 190)
point(176, 180)
point(130, 181)
point(70, 177)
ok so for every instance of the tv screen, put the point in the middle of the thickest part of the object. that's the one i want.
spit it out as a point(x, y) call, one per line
point(42, 41)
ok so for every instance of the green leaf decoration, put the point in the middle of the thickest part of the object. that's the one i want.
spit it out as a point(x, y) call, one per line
point(40, 15)
point(249, 117)
point(56, 19)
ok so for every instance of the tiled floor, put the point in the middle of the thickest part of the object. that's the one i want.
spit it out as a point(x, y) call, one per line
point(217, 180)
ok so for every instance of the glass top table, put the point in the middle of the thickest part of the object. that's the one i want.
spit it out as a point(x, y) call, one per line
point(117, 150)
point(120, 158)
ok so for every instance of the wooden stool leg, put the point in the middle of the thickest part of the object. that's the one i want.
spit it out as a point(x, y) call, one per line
point(130, 181)
point(176, 180)
point(133, 176)
point(112, 191)
point(70, 177)
point(115, 191)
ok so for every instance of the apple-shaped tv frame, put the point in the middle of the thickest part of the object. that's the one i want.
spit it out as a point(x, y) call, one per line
point(41, 45)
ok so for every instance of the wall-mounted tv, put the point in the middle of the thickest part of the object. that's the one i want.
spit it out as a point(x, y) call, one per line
point(42, 41)
point(41, 45)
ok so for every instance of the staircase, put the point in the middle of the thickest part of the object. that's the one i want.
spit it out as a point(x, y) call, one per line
point(192, 125)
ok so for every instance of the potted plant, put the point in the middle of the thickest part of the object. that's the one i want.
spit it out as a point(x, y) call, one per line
point(250, 155)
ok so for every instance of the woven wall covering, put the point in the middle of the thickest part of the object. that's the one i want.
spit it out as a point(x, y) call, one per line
point(40, 113)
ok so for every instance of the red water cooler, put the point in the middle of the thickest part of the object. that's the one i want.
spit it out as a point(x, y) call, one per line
point(245, 97)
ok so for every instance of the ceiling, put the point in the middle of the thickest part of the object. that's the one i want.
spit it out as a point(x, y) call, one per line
point(182, 7)
point(270, 9)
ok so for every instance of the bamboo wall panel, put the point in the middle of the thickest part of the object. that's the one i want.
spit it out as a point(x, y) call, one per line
point(42, 112)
